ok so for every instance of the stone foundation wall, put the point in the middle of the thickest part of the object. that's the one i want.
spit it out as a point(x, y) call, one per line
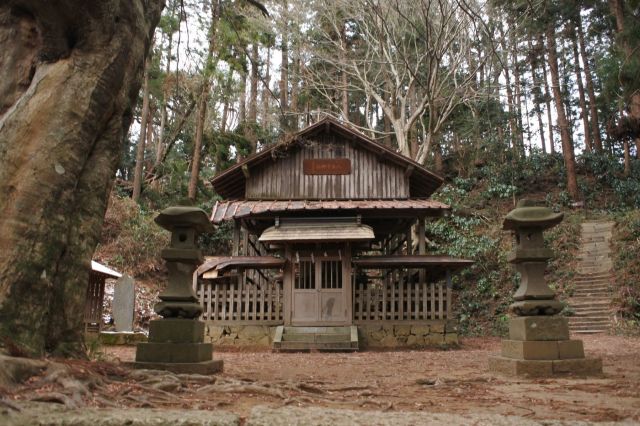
point(259, 336)
point(424, 334)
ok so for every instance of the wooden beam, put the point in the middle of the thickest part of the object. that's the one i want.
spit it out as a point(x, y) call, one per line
point(409, 170)
point(245, 171)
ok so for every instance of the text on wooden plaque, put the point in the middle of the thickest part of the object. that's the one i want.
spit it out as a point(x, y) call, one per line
point(327, 166)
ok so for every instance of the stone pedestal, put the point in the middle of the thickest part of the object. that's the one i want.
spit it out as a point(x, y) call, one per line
point(176, 342)
point(538, 344)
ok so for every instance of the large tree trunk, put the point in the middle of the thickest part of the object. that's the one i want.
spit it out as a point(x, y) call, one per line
point(142, 138)
point(565, 136)
point(74, 70)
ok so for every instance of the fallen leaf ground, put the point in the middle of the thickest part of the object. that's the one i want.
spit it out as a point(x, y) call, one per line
point(453, 381)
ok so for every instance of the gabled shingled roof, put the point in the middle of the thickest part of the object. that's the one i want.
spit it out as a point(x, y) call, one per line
point(230, 183)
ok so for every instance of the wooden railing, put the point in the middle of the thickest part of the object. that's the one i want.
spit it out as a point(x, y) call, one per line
point(401, 301)
point(233, 303)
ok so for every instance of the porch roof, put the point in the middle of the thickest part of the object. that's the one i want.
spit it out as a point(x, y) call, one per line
point(312, 232)
point(214, 264)
point(413, 261)
point(228, 210)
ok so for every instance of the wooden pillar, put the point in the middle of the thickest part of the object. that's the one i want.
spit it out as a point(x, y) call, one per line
point(236, 238)
point(421, 246)
point(287, 284)
point(347, 282)
point(449, 290)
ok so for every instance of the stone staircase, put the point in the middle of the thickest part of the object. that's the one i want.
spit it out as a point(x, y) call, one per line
point(591, 297)
point(316, 338)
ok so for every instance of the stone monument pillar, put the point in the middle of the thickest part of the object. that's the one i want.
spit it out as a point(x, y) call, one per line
point(124, 301)
point(538, 343)
point(176, 341)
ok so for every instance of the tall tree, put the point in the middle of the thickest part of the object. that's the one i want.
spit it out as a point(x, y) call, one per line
point(203, 100)
point(400, 47)
point(62, 124)
point(140, 148)
point(627, 40)
point(593, 108)
point(584, 112)
point(565, 136)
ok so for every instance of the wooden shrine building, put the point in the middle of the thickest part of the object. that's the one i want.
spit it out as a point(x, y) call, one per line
point(323, 236)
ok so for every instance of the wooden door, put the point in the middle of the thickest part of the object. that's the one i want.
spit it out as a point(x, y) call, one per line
point(319, 291)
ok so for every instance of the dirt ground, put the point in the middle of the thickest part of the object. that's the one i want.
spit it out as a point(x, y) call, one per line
point(452, 381)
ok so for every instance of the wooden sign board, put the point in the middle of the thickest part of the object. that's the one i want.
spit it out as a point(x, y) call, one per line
point(327, 166)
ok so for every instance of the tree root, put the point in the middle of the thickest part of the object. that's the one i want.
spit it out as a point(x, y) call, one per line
point(10, 405)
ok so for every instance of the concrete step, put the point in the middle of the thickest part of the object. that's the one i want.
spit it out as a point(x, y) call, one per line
point(588, 331)
point(316, 338)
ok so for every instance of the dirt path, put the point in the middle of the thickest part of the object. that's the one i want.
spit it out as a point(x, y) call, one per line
point(454, 381)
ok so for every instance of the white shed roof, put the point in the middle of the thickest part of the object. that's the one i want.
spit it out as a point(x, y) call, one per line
point(100, 268)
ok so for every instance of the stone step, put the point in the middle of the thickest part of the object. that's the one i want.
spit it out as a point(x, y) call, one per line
point(577, 305)
point(603, 292)
point(596, 262)
point(588, 331)
point(588, 269)
point(590, 313)
point(592, 284)
point(594, 253)
point(596, 231)
point(594, 245)
point(321, 346)
point(590, 302)
point(316, 338)
point(589, 327)
point(320, 337)
point(593, 278)
point(588, 320)
point(598, 224)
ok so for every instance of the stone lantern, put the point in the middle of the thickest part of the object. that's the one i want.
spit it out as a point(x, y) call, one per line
point(176, 342)
point(538, 343)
